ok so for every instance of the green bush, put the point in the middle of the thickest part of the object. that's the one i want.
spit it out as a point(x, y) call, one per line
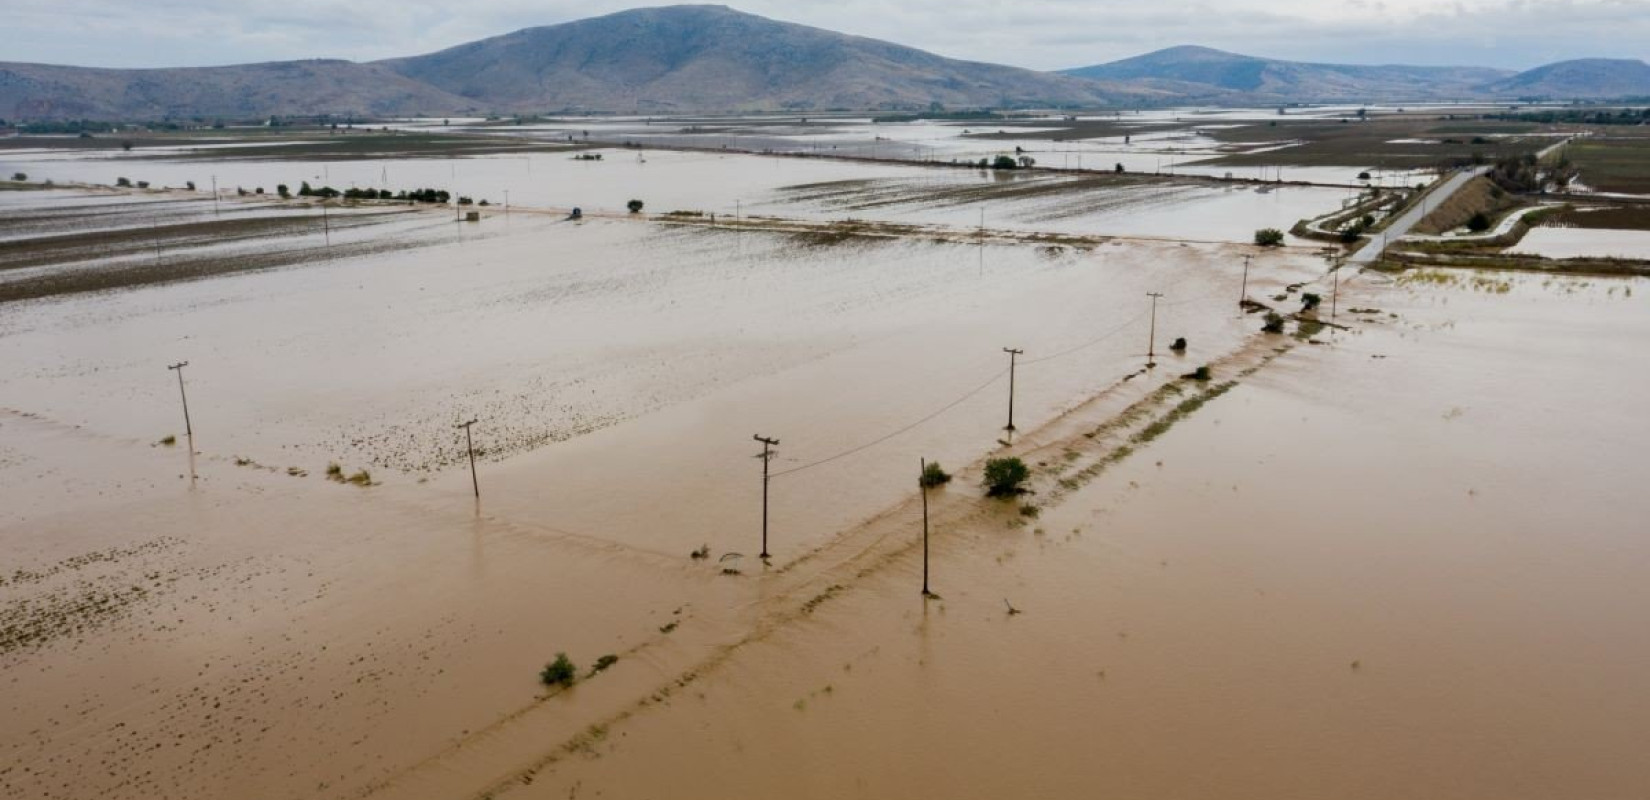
point(635, 206)
point(603, 663)
point(1268, 237)
point(20, 177)
point(1310, 301)
point(1200, 374)
point(1179, 345)
point(1004, 162)
point(1004, 476)
point(1479, 223)
point(933, 475)
point(560, 672)
point(1274, 322)
point(124, 183)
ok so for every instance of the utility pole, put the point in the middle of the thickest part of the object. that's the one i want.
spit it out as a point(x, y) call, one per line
point(1012, 356)
point(469, 445)
point(767, 456)
point(982, 241)
point(188, 429)
point(922, 486)
point(1151, 340)
point(326, 224)
point(1335, 297)
point(214, 195)
point(507, 202)
point(1244, 292)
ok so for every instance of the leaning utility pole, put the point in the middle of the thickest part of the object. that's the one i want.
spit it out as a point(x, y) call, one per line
point(188, 429)
point(469, 445)
point(922, 486)
point(767, 456)
point(1012, 356)
point(1243, 293)
point(1151, 340)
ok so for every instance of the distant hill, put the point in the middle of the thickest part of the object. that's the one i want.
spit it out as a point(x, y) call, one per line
point(712, 58)
point(698, 59)
point(1264, 79)
point(1588, 78)
point(43, 91)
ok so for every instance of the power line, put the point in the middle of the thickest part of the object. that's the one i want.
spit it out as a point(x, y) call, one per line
point(873, 443)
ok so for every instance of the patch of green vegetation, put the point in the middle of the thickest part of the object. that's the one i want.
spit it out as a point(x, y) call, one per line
point(169, 440)
point(1274, 322)
point(1305, 329)
point(560, 672)
point(1269, 237)
point(1004, 477)
point(933, 475)
point(602, 664)
point(1162, 424)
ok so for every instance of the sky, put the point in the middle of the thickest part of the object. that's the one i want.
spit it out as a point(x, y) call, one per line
point(1048, 34)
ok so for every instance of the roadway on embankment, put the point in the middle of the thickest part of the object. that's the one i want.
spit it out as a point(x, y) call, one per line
point(1370, 253)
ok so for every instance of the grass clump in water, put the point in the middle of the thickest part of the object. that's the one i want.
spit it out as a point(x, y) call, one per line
point(1274, 322)
point(169, 440)
point(933, 475)
point(560, 672)
point(1004, 476)
point(603, 663)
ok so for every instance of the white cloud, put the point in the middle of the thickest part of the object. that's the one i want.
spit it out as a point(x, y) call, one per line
point(1046, 35)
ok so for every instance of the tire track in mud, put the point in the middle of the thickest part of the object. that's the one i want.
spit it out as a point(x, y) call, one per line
point(1080, 444)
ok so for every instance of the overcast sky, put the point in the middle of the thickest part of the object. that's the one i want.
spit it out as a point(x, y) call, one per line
point(1049, 34)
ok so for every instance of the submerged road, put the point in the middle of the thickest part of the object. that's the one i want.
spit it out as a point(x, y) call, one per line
point(1370, 253)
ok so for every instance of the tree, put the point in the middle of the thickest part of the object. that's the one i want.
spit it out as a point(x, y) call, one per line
point(933, 475)
point(20, 176)
point(124, 183)
point(559, 672)
point(635, 206)
point(1027, 162)
point(1120, 168)
point(1268, 237)
point(1310, 301)
point(1004, 162)
point(1004, 476)
point(283, 191)
point(1479, 223)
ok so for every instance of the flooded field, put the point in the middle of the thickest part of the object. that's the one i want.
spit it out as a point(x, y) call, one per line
point(298, 592)
point(1585, 243)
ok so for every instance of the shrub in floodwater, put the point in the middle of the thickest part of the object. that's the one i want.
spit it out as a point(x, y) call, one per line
point(635, 206)
point(603, 663)
point(1310, 301)
point(124, 183)
point(1268, 237)
point(190, 185)
point(933, 475)
point(559, 672)
point(1179, 345)
point(1479, 223)
point(1274, 322)
point(1003, 476)
point(1200, 374)
point(1120, 169)
point(20, 176)
point(283, 191)
point(1004, 162)
point(169, 440)
point(1029, 510)
point(361, 478)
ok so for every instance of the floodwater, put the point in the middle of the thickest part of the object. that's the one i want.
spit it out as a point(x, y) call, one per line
point(1585, 243)
point(214, 616)
point(1407, 563)
point(1399, 561)
point(732, 185)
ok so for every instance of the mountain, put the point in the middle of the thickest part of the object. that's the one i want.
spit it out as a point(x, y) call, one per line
point(712, 58)
point(1270, 80)
point(44, 91)
point(1588, 78)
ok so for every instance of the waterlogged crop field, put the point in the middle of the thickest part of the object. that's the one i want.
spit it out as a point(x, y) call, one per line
point(305, 591)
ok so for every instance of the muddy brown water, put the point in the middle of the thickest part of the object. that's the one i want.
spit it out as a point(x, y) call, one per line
point(203, 623)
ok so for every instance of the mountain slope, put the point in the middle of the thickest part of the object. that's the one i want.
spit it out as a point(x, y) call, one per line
point(1582, 78)
point(707, 58)
point(43, 91)
point(1293, 81)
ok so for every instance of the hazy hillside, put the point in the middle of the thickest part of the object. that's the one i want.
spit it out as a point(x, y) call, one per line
point(1584, 78)
point(1269, 79)
point(712, 58)
point(697, 58)
point(36, 91)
